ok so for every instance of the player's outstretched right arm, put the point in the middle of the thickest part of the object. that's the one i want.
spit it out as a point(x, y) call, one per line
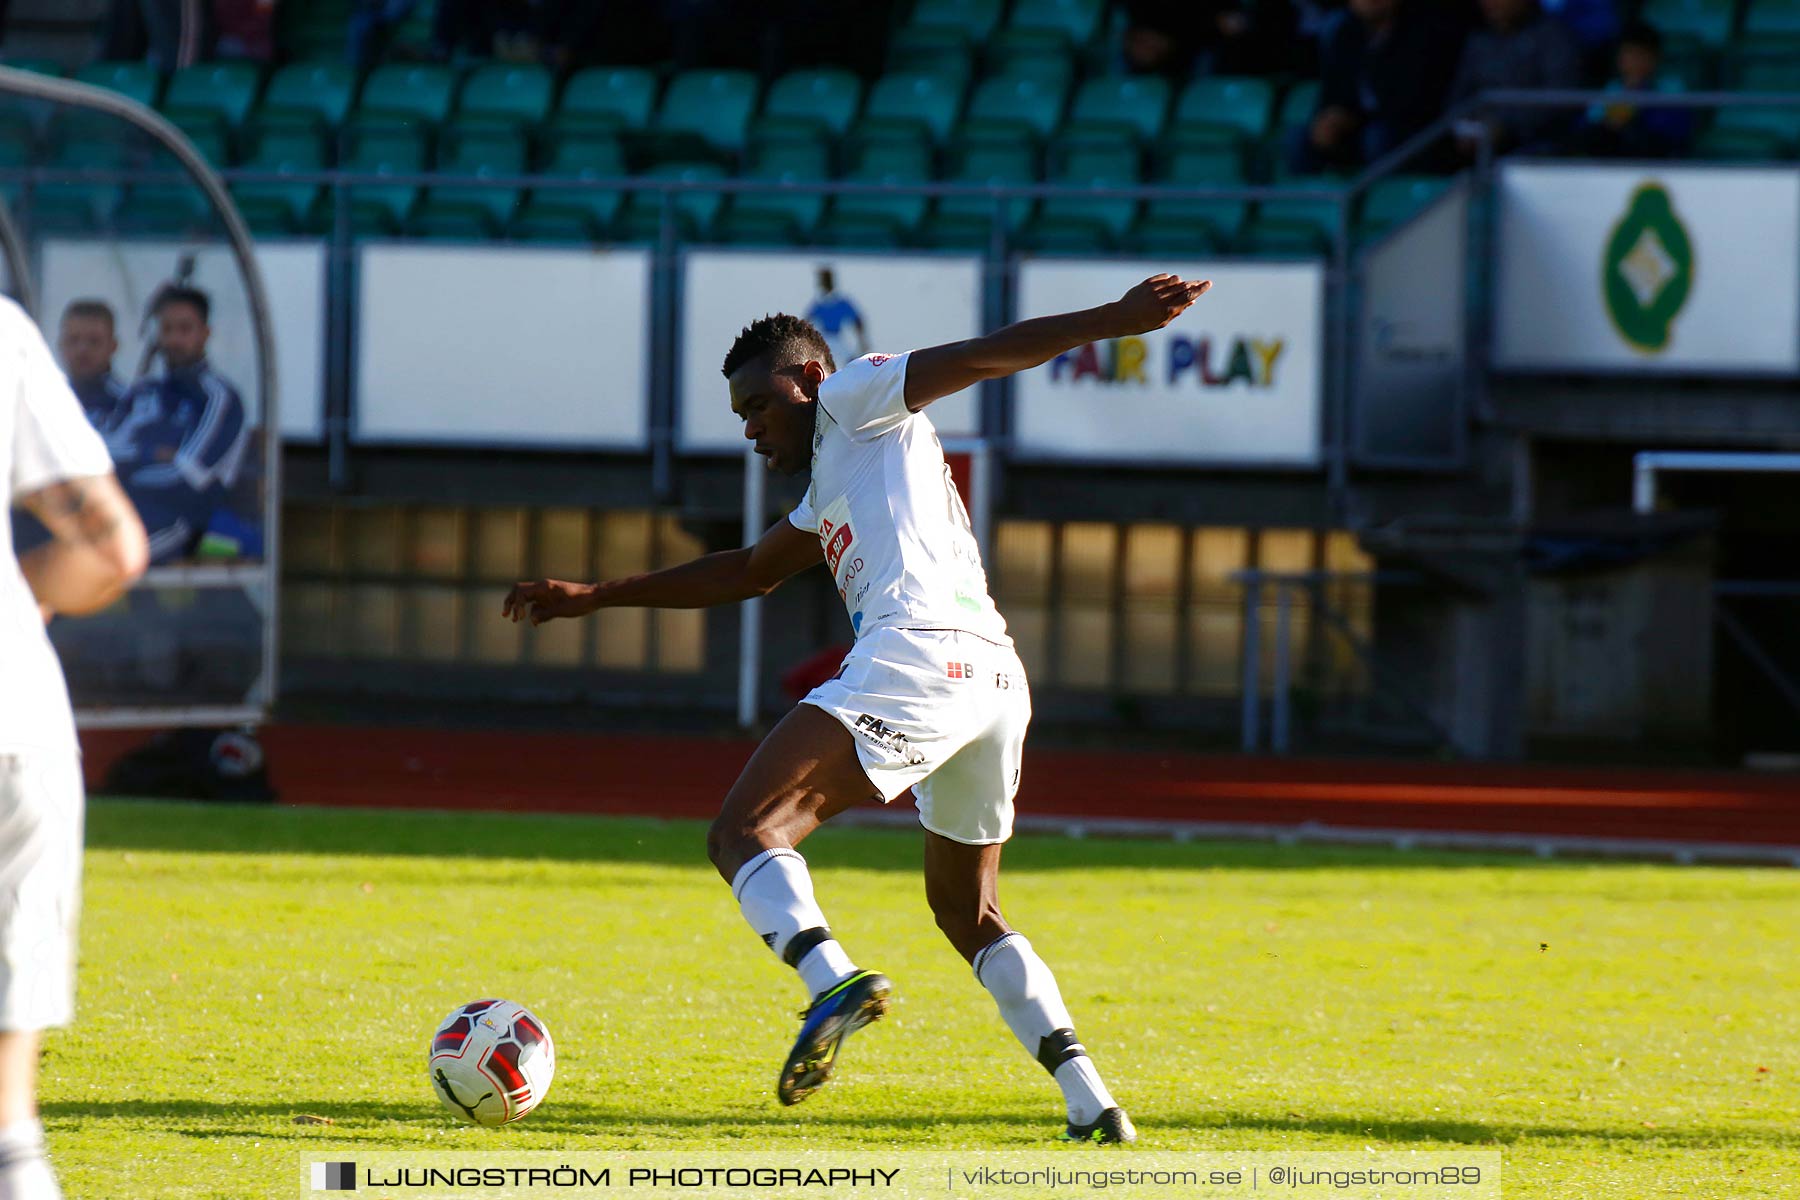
point(98, 550)
point(722, 578)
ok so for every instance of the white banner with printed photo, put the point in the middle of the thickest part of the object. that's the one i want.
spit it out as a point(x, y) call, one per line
point(503, 346)
point(862, 303)
point(125, 275)
point(1236, 380)
point(1678, 269)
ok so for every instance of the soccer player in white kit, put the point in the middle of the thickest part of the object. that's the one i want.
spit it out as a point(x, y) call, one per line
point(59, 469)
point(932, 697)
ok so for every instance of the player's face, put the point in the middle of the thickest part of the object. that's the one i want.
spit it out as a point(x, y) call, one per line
point(776, 406)
point(87, 346)
point(183, 334)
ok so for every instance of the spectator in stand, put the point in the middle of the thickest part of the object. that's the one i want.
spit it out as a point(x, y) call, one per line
point(1595, 24)
point(170, 33)
point(1228, 37)
point(179, 440)
point(1516, 47)
point(371, 28)
point(1162, 37)
point(244, 29)
point(86, 341)
point(1622, 128)
point(1384, 69)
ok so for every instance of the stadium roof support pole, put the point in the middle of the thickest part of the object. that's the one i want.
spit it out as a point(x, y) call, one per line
point(756, 489)
point(237, 234)
point(1645, 466)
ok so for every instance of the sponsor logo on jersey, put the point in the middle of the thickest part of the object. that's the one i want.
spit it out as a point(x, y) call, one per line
point(880, 733)
point(875, 360)
point(959, 670)
point(837, 536)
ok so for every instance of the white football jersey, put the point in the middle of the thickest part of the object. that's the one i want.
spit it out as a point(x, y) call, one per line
point(45, 438)
point(896, 536)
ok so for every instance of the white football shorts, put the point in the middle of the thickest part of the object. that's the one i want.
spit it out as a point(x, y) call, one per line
point(40, 889)
point(942, 712)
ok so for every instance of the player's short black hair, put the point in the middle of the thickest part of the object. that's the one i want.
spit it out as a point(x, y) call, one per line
point(97, 310)
point(787, 338)
point(1641, 33)
point(181, 293)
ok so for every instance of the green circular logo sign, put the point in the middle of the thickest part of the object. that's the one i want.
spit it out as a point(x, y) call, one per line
point(1648, 269)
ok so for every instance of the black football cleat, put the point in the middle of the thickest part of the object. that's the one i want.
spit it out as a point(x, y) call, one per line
point(1112, 1127)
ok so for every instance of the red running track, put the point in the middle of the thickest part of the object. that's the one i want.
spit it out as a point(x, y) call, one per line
point(687, 776)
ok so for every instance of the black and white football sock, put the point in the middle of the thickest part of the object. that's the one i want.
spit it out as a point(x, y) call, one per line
point(1025, 990)
point(25, 1173)
point(776, 896)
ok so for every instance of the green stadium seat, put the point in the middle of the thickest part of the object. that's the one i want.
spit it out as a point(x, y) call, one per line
point(139, 81)
point(909, 103)
point(1006, 109)
point(889, 217)
point(754, 216)
point(225, 90)
point(404, 95)
point(471, 211)
point(1223, 109)
point(1292, 227)
point(1758, 132)
point(1084, 224)
point(207, 133)
point(705, 111)
point(1297, 105)
point(695, 211)
point(1738, 145)
point(79, 207)
point(1133, 107)
point(606, 100)
point(276, 207)
point(17, 149)
point(967, 220)
point(383, 208)
point(806, 104)
point(1392, 202)
point(811, 159)
point(1705, 21)
point(971, 19)
point(565, 214)
point(1770, 18)
point(851, 231)
point(1771, 74)
point(165, 209)
point(1077, 20)
point(311, 95)
point(1196, 223)
point(1034, 54)
point(505, 95)
point(928, 50)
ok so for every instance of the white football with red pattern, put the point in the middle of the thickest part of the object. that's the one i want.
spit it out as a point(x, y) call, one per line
point(491, 1061)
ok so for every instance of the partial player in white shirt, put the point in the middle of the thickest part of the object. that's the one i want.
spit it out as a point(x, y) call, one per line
point(57, 467)
point(932, 696)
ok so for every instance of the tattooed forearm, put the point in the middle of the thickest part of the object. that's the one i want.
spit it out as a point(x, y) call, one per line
point(98, 548)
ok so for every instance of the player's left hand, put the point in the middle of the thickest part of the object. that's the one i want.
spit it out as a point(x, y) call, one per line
point(1155, 302)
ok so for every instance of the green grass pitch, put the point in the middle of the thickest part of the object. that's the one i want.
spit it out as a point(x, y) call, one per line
point(1615, 1030)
